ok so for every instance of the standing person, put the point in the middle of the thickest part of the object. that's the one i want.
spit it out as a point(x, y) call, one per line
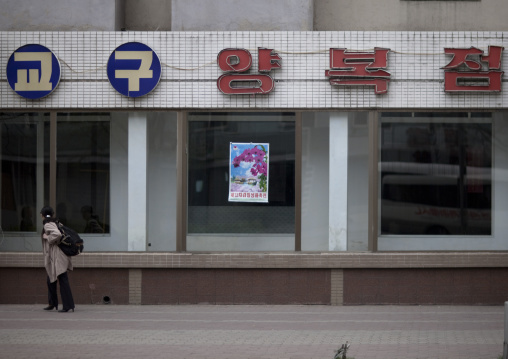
point(56, 263)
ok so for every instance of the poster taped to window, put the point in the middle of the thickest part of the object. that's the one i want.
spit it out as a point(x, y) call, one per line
point(248, 172)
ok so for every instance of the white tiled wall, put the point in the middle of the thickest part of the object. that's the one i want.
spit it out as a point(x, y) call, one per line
point(190, 71)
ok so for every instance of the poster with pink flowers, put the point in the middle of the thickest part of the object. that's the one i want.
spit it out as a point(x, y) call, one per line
point(248, 172)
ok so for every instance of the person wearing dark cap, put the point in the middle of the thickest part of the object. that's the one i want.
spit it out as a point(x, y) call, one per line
point(56, 262)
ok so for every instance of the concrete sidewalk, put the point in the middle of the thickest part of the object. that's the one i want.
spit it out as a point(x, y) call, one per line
point(281, 332)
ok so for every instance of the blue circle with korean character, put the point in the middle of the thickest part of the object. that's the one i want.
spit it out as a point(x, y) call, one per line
point(134, 69)
point(33, 71)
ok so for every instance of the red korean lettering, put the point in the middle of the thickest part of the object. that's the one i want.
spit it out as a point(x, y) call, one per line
point(267, 60)
point(238, 84)
point(489, 81)
point(359, 68)
point(462, 57)
point(237, 61)
point(465, 72)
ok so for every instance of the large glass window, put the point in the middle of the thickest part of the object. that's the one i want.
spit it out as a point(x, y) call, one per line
point(83, 172)
point(436, 173)
point(210, 209)
point(22, 166)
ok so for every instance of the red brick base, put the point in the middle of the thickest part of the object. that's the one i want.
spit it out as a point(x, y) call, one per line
point(470, 286)
point(23, 286)
point(28, 285)
point(487, 286)
point(236, 286)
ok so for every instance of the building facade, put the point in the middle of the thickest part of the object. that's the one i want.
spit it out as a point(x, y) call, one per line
point(311, 152)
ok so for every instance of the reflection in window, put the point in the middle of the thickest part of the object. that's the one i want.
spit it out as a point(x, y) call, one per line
point(20, 134)
point(83, 169)
point(436, 175)
point(209, 210)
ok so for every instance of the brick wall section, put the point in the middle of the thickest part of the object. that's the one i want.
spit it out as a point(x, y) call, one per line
point(135, 281)
point(23, 286)
point(89, 286)
point(241, 286)
point(260, 278)
point(337, 286)
point(486, 286)
point(330, 260)
point(173, 286)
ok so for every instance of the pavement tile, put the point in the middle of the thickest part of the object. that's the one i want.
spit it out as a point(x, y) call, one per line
point(252, 331)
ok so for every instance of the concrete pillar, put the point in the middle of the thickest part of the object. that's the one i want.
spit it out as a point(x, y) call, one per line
point(136, 178)
point(337, 218)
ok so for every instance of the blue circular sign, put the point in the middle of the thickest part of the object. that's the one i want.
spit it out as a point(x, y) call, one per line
point(134, 69)
point(33, 71)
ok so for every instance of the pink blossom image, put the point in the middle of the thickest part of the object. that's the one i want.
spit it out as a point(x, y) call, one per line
point(249, 168)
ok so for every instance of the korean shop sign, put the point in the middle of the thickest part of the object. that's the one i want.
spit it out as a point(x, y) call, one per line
point(134, 69)
point(471, 70)
point(33, 71)
point(354, 68)
point(235, 62)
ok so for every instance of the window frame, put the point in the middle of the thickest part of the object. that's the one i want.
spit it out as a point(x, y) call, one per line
point(377, 199)
point(182, 182)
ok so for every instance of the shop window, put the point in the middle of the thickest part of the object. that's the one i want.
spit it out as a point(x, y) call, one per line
point(82, 180)
point(21, 167)
point(83, 172)
point(211, 209)
point(436, 174)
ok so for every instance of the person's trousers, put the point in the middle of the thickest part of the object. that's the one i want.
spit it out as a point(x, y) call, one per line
point(65, 292)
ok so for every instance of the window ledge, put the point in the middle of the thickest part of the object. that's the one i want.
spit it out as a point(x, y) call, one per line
point(269, 260)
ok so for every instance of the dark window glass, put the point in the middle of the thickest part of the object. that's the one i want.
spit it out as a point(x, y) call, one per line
point(21, 134)
point(436, 178)
point(209, 210)
point(83, 165)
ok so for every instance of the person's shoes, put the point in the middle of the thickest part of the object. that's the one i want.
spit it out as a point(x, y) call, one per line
point(66, 310)
point(51, 307)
